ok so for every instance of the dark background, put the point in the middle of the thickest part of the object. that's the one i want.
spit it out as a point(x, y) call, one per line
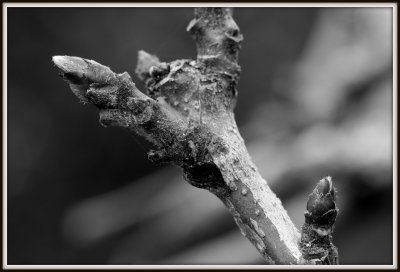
point(315, 99)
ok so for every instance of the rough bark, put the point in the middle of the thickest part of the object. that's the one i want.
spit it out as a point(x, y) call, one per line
point(188, 115)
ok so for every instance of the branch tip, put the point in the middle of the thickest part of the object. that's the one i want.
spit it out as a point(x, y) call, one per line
point(67, 63)
point(321, 205)
point(316, 236)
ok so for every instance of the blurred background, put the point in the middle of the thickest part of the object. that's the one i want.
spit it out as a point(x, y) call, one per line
point(315, 99)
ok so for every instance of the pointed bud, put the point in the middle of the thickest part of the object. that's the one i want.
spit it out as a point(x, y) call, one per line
point(321, 206)
point(80, 73)
point(83, 70)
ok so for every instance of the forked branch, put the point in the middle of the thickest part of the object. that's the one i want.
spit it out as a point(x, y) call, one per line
point(188, 115)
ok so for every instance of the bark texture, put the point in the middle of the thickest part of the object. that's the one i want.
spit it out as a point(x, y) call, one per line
point(188, 115)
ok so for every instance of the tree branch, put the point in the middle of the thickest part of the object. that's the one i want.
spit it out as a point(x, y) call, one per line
point(188, 114)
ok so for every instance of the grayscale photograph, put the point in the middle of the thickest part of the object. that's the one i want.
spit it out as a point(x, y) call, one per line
point(203, 136)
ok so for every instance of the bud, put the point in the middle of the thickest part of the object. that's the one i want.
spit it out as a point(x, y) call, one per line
point(321, 206)
point(83, 71)
point(316, 234)
point(79, 73)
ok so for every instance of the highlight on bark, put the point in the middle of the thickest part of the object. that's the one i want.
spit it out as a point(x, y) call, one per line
point(187, 113)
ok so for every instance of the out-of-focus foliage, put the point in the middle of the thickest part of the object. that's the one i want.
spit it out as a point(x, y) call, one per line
point(315, 99)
